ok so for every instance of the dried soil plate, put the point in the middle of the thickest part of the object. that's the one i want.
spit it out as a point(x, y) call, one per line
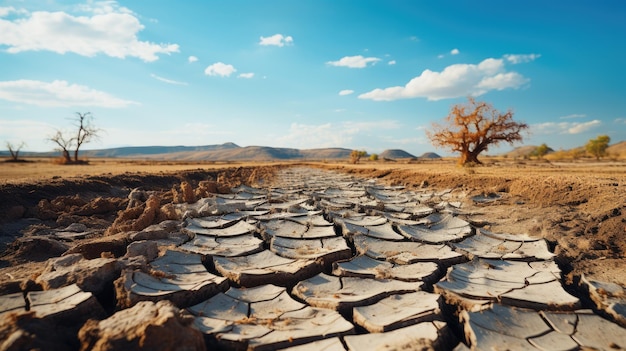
point(239, 228)
point(65, 304)
point(383, 231)
point(437, 229)
point(179, 277)
point(228, 247)
point(265, 318)
point(265, 267)
point(532, 285)
point(327, 250)
point(406, 252)
point(287, 228)
point(398, 311)
point(367, 267)
point(424, 336)
point(344, 293)
point(526, 329)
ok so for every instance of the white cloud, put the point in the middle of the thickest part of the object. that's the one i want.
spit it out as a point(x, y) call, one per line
point(583, 127)
point(441, 56)
point(501, 81)
point(354, 61)
point(102, 7)
point(58, 93)
point(168, 81)
point(5, 11)
point(246, 75)
point(276, 40)
point(414, 38)
point(111, 30)
point(551, 128)
point(454, 51)
point(346, 92)
point(192, 59)
point(339, 134)
point(575, 115)
point(220, 69)
point(515, 59)
point(454, 81)
point(392, 62)
point(620, 120)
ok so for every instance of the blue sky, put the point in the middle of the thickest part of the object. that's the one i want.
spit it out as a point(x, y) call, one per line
point(363, 74)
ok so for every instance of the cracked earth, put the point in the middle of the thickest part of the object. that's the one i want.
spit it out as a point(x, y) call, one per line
point(318, 260)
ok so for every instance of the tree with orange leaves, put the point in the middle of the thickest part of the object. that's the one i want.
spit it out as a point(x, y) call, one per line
point(470, 129)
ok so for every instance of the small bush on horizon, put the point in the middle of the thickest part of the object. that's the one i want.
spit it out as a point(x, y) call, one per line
point(356, 155)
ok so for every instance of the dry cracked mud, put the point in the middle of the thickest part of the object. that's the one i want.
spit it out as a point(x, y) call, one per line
point(315, 260)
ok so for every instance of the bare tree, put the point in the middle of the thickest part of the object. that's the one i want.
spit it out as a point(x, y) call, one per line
point(14, 150)
point(85, 133)
point(472, 127)
point(64, 145)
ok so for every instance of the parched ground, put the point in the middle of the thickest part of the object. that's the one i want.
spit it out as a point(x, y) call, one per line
point(580, 208)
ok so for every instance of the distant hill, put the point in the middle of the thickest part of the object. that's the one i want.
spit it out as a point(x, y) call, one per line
point(132, 151)
point(395, 153)
point(430, 155)
point(520, 151)
point(617, 149)
point(229, 152)
point(234, 152)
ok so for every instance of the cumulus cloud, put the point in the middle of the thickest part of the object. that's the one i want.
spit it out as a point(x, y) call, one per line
point(354, 61)
point(246, 75)
point(276, 40)
point(109, 29)
point(346, 92)
point(515, 59)
point(392, 62)
point(5, 11)
point(583, 127)
point(192, 59)
point(306, 136)
point(58, 93)
point(454, 51)
point(168, 81)
point(564, 127)
point(454, 81)
point(220, 69)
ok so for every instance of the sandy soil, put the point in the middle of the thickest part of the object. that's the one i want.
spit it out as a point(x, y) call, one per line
point(579, 208)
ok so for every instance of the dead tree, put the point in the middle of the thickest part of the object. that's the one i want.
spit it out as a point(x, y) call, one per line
point(471, 128)
point(85, 132)
point(15, 150)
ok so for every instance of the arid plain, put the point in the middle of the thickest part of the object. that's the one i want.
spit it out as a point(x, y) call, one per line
point(97, 217)
point(579, 207)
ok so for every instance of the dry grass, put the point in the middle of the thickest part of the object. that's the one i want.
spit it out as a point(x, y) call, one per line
point(48, 168)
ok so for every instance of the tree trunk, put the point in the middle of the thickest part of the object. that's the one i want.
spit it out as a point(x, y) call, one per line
point(66, 156)
point(468, 157)
point(76, 155)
